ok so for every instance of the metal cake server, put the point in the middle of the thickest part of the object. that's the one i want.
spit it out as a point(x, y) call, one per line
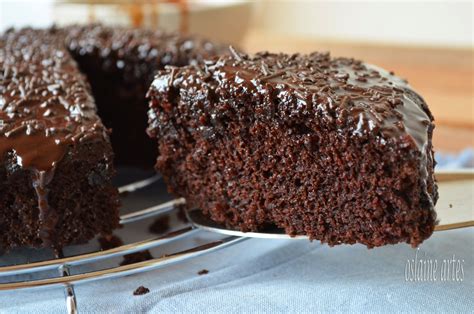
point(455, 208)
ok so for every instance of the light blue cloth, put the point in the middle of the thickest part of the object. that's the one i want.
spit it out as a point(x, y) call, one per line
point(280, 276)
point(283, 276)
point(464, 159)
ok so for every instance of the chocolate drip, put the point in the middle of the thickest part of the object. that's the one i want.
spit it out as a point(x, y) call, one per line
point(47, 215)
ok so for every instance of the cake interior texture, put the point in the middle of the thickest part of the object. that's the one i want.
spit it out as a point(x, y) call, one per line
point(326, 147)
point(57, 160)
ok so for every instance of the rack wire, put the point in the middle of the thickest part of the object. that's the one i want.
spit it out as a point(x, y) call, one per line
point(66, 271)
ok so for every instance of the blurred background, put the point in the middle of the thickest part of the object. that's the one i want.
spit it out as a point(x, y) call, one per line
point(430, 43)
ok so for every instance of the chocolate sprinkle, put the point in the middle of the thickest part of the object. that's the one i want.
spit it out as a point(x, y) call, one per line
point(235, 54)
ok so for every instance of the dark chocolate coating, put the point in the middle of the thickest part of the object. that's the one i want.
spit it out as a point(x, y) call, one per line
point(46, 101)
point(329, 147)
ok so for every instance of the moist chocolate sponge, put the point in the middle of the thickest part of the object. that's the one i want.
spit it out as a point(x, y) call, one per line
point(332, 148)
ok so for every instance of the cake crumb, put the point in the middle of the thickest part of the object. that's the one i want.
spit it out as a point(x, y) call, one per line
point(136, 257)
point(141, 291)
point(203, 272)
point(110, 241)
point(160, 225)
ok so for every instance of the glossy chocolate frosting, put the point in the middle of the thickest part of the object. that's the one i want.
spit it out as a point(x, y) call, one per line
point(332, 148)
point(366, 97)
point(45, 101)
point(138, 48)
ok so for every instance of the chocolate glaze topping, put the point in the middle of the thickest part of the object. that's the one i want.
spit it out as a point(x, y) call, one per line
point(45, 104)
point(138, 49)
point(357, 96)
point(369, 98)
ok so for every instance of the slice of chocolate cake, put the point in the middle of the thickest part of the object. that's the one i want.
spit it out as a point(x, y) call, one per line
point(329, 147)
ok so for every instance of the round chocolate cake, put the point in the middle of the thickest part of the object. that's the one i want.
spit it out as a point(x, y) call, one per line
point(328, 147)
point(332, 148)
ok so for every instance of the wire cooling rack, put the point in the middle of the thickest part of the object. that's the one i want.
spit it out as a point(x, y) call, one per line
point(39, 269)
point(144, 201)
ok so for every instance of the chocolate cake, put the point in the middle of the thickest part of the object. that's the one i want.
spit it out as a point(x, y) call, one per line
point(332, 148)
point(55, 153)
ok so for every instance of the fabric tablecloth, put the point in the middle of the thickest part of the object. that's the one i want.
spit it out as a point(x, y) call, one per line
point(288, 276)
